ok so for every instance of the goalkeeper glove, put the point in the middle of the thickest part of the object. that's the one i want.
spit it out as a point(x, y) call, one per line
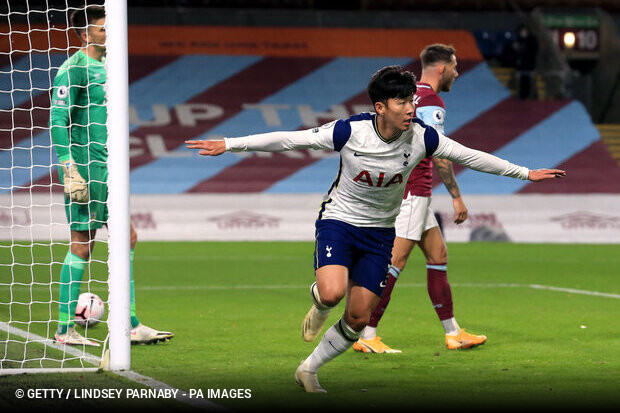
point(75, 185)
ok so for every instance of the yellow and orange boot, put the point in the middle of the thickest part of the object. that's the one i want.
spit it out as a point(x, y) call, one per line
point(374, 345)
point(464, 340)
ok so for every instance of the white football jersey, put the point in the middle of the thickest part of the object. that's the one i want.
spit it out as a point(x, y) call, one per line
point(373, 172)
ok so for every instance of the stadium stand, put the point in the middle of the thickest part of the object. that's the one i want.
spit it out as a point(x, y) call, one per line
point(236, 81)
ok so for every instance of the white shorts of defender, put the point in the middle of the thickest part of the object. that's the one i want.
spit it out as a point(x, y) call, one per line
point(415, 217)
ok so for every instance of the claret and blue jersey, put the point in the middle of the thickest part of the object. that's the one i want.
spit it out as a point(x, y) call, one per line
point(430, 108)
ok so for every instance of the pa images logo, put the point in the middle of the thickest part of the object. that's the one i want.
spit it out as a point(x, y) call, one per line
point(588, 220)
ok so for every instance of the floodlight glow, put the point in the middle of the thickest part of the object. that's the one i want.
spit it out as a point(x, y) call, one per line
point(569, 39)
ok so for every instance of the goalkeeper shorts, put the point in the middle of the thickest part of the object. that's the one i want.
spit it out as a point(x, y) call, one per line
point(94, 213)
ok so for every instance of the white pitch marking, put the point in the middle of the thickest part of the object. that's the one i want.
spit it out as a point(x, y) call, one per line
point(573, 291)
point(404, 285)
point(297, 287)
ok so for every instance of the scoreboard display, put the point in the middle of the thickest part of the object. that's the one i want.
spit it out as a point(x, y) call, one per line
point(580, 40)
point(577, 35)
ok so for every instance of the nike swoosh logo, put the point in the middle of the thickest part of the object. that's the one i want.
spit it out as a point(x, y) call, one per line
point(382, 285)
point(357, 154)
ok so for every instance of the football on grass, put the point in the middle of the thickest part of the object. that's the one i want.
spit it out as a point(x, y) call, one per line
point(90, 310)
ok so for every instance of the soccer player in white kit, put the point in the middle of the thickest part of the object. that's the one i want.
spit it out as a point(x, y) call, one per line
point(416, 223)
point(355, 226)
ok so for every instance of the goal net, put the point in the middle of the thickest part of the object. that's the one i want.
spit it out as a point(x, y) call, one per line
point(49, 76)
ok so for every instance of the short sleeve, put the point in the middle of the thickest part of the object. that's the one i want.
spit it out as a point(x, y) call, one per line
point(431, 137)
point(434, 116)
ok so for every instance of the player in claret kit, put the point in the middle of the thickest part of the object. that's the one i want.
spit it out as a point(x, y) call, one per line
point(416, 223)
point(78, 127)
point(355, 226)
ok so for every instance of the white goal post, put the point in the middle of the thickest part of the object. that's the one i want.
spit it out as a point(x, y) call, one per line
point(118, 201)
point(35, 41)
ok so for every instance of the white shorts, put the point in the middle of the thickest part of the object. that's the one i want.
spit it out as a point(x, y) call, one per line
point(415, 217)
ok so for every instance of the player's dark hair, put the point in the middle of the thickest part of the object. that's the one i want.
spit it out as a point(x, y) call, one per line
point(436, 53)
point(391, 82)
point(81, 18)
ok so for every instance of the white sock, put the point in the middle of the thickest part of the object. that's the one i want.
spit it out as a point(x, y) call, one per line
point(451, 326)
point(368, 333)
point(336, 340)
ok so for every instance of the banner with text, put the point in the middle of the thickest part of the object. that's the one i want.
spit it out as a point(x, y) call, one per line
point(592, 218)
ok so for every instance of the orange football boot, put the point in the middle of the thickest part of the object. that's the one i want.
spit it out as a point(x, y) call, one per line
point(464, 340)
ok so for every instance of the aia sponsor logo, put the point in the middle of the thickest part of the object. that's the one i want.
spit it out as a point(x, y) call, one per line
point(245, 220)
point(380, 181)
point(587, 220)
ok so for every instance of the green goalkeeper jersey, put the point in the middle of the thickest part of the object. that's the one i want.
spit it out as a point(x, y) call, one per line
point(78, 115)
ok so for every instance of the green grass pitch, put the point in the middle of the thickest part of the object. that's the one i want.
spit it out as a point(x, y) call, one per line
point(236, 309)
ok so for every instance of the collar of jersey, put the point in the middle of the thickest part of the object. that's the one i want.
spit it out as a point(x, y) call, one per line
point(374, 124)
point(90, 59)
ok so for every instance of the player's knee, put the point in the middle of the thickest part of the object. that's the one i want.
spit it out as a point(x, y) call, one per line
point(82, 250)
point(400, 257)
point(440, 257)
point(330, 297)
point(357, 321)
point(399, 261)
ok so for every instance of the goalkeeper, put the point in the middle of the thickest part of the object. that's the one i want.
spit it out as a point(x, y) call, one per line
point(79, 135)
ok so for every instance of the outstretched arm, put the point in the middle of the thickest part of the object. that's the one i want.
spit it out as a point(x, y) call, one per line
point(317, 138)
point(485, 162)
